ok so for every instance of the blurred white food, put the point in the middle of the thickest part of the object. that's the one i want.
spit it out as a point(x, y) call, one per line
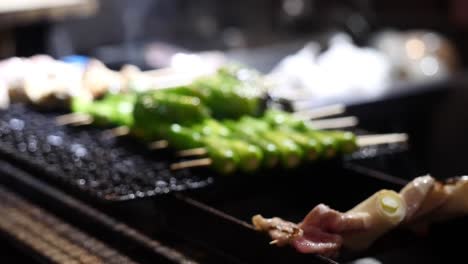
point(341, 73)
point(345, 73)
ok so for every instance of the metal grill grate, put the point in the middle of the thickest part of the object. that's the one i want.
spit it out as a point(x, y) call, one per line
point(108, 168)
point(49, 237)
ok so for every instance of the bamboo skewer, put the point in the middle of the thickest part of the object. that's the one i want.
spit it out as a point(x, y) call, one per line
point(321, 112)
point(74, 119)
point(116, 132)
point(370, 140)
point(160, 144)
point(191, 164)
point(362, 141)
point(192, 152)
point(334, 123)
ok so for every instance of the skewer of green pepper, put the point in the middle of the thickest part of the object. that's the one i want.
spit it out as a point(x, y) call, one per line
point(162, 107)
point(112, 109)
point(291, 153)
point(328, 141)
point(227, 154)
point(250, 155)
point(270, 151)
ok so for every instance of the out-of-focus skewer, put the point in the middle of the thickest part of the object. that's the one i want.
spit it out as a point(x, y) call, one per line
point(192, 152)
point(159, 144)
point(74, 119)
point(334, 123)
point(362, 141)
point(321, 112)
point(191, 164)
point(273, 242)
point(370, 140)
point(116, 132)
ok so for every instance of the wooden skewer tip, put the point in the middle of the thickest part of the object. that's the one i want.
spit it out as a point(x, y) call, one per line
point(191, 164)
point(116, 132)
point(73, 119)
point(160, 144)
point(333, 123)
point(321, 112)
point(192, 152)
point(369, 140)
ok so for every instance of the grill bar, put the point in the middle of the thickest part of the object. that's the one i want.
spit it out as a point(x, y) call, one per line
point(81, 214)
point(56, 241)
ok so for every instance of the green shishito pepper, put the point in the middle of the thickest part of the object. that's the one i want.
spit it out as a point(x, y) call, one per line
point(329, 143)
point(224, 159)
point(183, 90)
point(228, 98)
point(224, 94)
point(312, 147)
point(158, 107)
point(270, 151)
point(280, 118)
point(211, 127)
point(250, 155)
point(226, 154)
point(290, 153)
point(114, 109)
point(347, 142)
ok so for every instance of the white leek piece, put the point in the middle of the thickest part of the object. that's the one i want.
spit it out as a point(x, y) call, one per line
point(385, 209)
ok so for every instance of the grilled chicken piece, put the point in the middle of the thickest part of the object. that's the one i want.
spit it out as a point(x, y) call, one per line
point(98, 79)
point(325, 231)
point(317, 233)
point(282, 232)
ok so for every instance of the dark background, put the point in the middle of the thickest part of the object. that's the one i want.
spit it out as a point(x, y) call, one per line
point(211, 24)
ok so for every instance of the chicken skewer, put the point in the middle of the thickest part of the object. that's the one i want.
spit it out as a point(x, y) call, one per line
point(325, 231)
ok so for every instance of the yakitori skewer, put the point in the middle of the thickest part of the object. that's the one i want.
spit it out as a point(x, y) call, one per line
point(420, 203)
point(362, 141)
point(249, 137)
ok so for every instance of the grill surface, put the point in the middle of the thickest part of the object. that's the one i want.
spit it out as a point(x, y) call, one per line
point(51, 239)
point(107, 168)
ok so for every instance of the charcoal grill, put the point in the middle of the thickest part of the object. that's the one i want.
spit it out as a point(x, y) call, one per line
point(129, 198)
point(107, 168)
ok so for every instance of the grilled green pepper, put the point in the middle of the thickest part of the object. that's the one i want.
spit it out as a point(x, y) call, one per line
point(224, 159)
point(291, 153)
point(347, 142)
point(112, 109)
point(310, 145)
point(250, 156)
point(228, 98)
point(156, 107)
point(270, 151)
